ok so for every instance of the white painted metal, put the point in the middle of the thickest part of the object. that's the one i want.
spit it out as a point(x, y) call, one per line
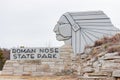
point(63, 20)
point(64, 30)
point(87, 13)
point(93, 21)
point(74, 25)
point(95, 24)
point(90, 17)
point(85, 28)
point(78, 41)
point(73, 41)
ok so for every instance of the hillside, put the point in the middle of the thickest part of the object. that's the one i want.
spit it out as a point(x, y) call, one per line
point(103, 58)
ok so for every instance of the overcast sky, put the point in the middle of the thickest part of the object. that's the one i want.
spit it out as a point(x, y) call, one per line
point(30, 23)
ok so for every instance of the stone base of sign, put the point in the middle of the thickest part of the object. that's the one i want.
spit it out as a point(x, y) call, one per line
point(27, 68)
point(41, 67)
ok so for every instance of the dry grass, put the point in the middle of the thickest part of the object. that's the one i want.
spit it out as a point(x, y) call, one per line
point(113, 49)
point(114, 39)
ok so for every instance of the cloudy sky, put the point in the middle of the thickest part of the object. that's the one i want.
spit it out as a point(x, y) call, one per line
point(30, 23)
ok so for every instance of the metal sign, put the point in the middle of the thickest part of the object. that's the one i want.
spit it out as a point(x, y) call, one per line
point(80, 29)
point(33, 53)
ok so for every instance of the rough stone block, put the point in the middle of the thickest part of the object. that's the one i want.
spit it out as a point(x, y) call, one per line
point(20, 67)
point(7, 68)
point(43, 68)
point(111, 54)
point(87, 70)
point(16, 64)
point(100, 74)
point(116, 73)
point(27, 68)
point(6, 73)
point(18, 71)
point(26, 73)
point(111, 65)
point(111, 57)
point(42, 74)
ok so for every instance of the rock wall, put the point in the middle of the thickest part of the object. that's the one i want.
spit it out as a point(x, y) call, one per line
point(100, 61)
point(43, 66)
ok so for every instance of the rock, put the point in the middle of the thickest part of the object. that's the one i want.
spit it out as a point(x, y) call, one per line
point(43, 67)
point(26, 73)
point(112, 66)
point(116, 73)
point(59, 74)
point(96, 63)
point(7, 73)
point(66, 47)
point(111, 54)
point(93, 59)
point(100, 74)
point(89, 63)
point(101, 54)
point(111, 57)
point(29, 62)
point(87, 50)
point(32, 68)
point(116, 60)
point(83, 56)
point(87, 70)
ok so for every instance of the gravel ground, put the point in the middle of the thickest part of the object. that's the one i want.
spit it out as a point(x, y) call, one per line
point(37, 78)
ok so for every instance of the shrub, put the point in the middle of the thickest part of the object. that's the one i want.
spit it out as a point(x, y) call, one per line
point(114, 49)
point(115, 38)
point(2, 60)
point(98, 43)
point(104, 40)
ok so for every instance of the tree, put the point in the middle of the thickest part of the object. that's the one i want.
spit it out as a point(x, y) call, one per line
point(2, 59)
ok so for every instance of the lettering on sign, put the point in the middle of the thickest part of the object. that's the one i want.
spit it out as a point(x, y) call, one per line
point(33, 53)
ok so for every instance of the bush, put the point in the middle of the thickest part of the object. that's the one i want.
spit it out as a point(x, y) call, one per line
point(114, 49)
point(115, 38)
point(98, 43)
point(104, 40)
point(2, 60)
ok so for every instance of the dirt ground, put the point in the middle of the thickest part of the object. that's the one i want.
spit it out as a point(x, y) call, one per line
point(37, 78)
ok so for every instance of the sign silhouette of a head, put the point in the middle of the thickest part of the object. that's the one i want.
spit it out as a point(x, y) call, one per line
point(63, 30)
point(83, 28)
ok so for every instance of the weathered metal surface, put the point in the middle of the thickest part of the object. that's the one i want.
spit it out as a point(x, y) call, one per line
point(83, 28)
